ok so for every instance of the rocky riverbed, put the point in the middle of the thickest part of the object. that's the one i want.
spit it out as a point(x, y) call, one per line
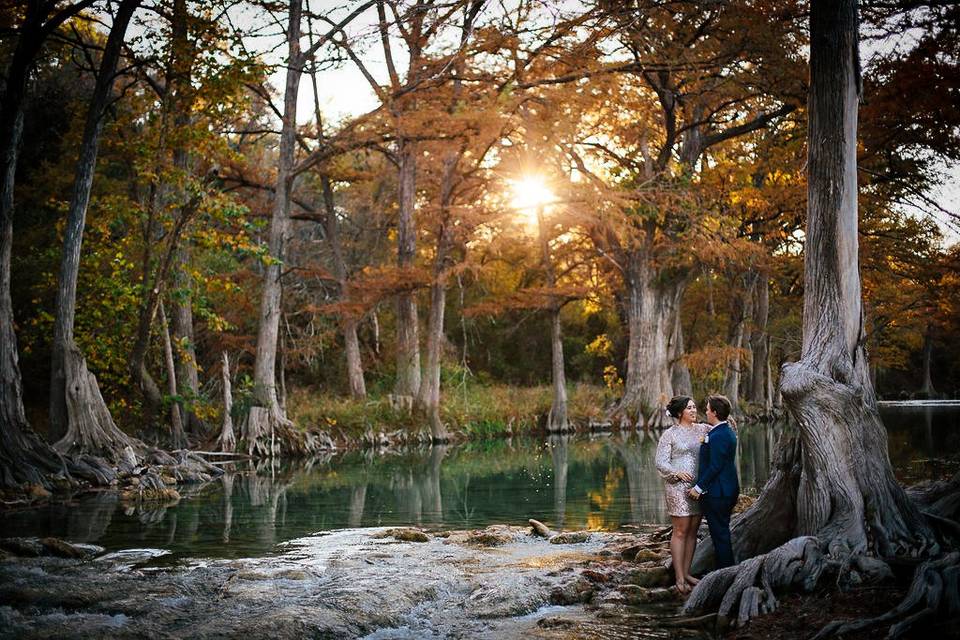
point(498, 582)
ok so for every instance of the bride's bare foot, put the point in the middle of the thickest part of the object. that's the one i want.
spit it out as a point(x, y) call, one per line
point(682, 587)
point(692, 581)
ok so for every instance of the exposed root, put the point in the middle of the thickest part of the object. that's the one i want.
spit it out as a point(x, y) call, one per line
point(747, 590)
point(934, 594)
point(268, 433)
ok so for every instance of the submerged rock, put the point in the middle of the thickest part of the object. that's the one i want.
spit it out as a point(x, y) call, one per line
point(570, 537)
point(404, 534)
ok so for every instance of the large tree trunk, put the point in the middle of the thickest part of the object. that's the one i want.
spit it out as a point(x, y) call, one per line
point(838, 484)
point(267, 428)
point(408, 329)
point(759, 345)
point(24, 457)
point(93, 427)
point(651, 305)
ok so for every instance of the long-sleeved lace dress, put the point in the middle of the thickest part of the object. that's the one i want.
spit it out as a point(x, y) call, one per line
point(679, 451)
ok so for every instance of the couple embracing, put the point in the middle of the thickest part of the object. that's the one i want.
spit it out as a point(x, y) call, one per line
point(697, 464)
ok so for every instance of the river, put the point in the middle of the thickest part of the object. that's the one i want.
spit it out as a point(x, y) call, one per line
point(602, 482)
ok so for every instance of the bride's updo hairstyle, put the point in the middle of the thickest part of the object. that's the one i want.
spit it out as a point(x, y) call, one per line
point(676, 406)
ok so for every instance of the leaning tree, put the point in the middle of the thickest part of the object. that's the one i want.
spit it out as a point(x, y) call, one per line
point(832, 495)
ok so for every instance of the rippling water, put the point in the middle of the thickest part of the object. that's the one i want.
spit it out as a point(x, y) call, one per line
point(603, 482)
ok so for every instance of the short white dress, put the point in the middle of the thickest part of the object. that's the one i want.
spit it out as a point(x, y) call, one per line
point(679, 451)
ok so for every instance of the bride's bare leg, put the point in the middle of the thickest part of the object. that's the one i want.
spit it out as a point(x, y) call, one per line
point(678, 542)
point(689, 548)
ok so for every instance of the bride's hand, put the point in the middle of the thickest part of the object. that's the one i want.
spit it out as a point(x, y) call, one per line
point(685, 477)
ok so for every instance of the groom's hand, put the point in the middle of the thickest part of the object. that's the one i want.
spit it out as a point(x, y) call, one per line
point(695, 492)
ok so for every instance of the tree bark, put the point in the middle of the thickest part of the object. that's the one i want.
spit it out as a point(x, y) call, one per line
point(759, 345)
point(267, 421)
point(348, 321)
point(25, 458)
point(740, 309)
point(408, 330)
point(842, 488)
point(182, 54)
point(227, 440)
point(94, 427)
point(557, 418)
point(178, 437)
point(651, 305)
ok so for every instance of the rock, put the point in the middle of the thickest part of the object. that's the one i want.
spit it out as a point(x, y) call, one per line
point(62, 548)
point(403, 534)
point(651, 577)
point(629, 553)
point(594, 576)
point(135, 481)
point(570, 537)
point(633, 594)
point(23, 547)
point(574, 592)
point(487, 538)
point(37, 492)
point(540, 529)
point(646, 555)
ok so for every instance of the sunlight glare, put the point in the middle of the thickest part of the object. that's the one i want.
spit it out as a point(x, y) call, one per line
point(529, 193)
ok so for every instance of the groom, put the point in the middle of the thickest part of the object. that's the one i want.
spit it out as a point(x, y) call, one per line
point(717, 485)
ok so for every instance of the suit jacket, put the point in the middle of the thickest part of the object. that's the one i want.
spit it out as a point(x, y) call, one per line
point(717, 473)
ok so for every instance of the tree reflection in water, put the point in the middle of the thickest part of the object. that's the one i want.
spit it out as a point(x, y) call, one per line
point(605, 482)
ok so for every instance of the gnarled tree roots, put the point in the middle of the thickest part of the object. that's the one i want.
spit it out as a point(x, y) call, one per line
point(747, 590)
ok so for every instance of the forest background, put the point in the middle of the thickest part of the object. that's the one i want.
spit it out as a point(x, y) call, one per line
point(630, 172)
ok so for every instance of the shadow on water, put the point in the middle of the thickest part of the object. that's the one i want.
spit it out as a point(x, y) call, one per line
point(600, 482)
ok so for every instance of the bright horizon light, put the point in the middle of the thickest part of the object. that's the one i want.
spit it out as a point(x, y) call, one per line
point(529, 194)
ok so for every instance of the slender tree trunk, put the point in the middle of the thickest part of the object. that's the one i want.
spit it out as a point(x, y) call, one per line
point(72, 387)
point(348, 321)
point(739, 311)
point(227, 440)
point(267, 417)
point(408, 330)
point(679, 372)
point(927, 390)
point(178, 83)
point(760, 342)
point(178, 437)
point(557, 419)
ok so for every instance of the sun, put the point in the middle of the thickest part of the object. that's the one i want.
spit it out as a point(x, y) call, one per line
point(528, 194)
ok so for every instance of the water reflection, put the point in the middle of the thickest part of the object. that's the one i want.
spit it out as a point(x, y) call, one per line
point(597, 482)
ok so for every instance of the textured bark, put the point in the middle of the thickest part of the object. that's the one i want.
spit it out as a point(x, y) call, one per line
point(178, 437)
point(66, 298)
point(267, 419)
point(651, 305)
point(557, 418)
point(846, 494)
point(227, 441)
point(25, 458)
point(348, 323)
point(679, 372)
point(408, 324)
point(740, 310)
point(182, 54)
point(760, 342)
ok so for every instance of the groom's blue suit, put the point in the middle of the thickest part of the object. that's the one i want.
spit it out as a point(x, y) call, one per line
point(718, 482)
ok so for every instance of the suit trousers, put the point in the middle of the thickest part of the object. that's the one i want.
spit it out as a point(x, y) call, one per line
point(717, 510)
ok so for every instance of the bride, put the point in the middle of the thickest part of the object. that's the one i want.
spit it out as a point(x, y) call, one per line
point(677, 455)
